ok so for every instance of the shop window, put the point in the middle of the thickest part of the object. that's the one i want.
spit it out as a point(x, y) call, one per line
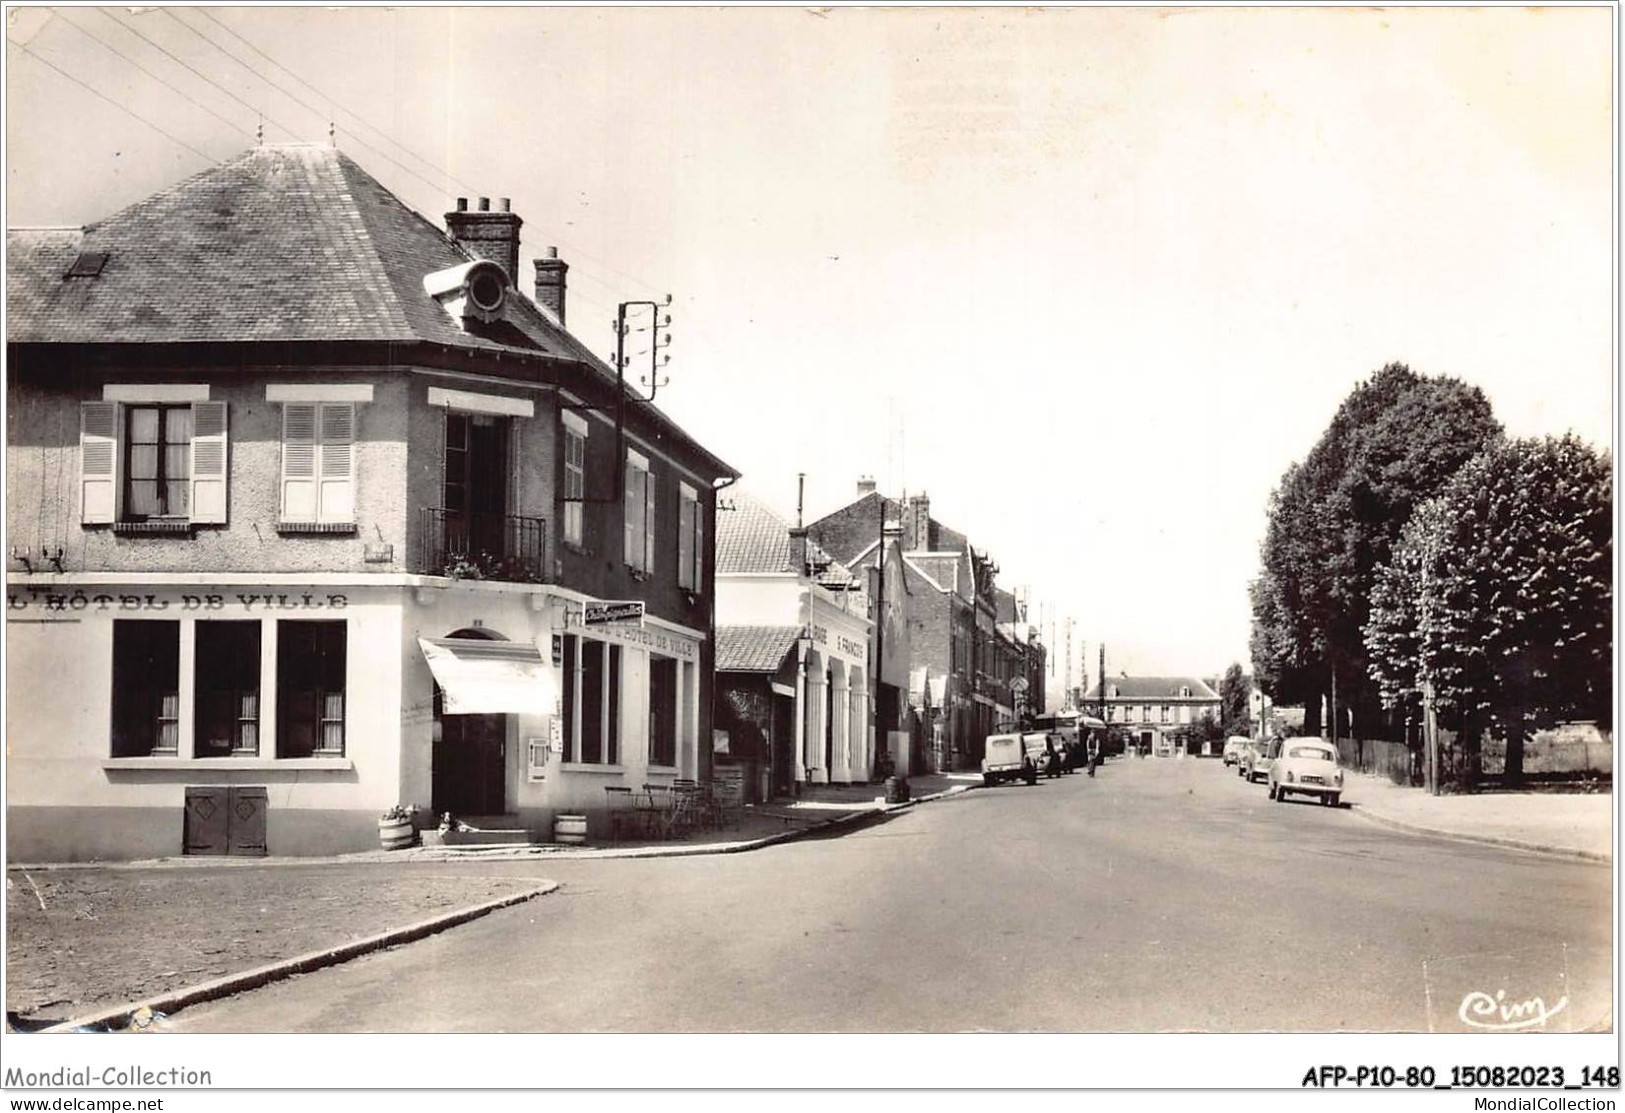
point(151, 467)
point(592, 701)
point(146, 688)
point(228, 689)
point(662, 710)
point(311, 666)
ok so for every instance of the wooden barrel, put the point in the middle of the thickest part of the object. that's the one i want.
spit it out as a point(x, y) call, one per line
point(570, 829)
point(396, 834)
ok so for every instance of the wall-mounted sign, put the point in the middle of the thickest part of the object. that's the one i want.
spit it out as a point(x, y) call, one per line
point(612, 613)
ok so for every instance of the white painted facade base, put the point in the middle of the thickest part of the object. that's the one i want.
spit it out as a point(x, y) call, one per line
point(70, 798)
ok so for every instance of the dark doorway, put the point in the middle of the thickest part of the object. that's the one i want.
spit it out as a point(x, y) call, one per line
point(476, 489)
point(468, 766)
point(784, 745)
point(829, 726)
point(469, 769)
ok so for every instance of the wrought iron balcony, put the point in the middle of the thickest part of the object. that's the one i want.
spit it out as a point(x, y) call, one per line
point(472, 546)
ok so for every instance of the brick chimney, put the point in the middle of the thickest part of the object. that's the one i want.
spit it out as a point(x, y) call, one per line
point(550, 272)
point(486, 234)
point(798, 550)
point(866, 485)
point(917, 522)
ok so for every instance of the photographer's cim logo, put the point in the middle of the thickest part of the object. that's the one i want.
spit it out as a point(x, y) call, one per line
point(1497, 1014)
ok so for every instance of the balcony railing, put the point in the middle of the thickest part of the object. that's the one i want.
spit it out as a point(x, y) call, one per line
point(472, 546)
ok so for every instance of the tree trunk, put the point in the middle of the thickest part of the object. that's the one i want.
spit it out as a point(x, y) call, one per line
point(1513, 774)
point(1311, 712)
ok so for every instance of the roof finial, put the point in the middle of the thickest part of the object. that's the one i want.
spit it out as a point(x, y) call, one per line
point(332, 134)
point(259, 133)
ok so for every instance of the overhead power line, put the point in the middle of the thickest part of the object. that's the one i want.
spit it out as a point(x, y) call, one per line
point(194, 71)
point(385, 136)
point(173, 88)
point(122, 108)
point(448, 177)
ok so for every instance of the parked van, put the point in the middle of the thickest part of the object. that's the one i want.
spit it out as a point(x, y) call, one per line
point(1006, 758)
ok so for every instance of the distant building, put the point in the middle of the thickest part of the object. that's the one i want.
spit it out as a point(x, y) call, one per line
point(1152, 709)
point(954, 684)
point(793, 645)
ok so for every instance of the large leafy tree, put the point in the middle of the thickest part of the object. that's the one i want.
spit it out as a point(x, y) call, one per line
point(1499, 594)
point(1394, 442)
point(1234, 712)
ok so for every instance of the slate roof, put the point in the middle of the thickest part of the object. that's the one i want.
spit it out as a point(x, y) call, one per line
point(284, 243)
point(754, 648)
point(751, 538)
point(1154, 687)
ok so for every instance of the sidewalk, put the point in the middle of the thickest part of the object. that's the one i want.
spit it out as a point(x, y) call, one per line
point(1578, 825)
point(100, 936)
point(759, 825)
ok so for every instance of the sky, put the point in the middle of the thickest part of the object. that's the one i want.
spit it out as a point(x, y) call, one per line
point(1091, 279)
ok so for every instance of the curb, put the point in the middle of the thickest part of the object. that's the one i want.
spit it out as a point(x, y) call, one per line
point(120, 1016)
point(503, 853)
point(606, 853)
point(1483, 840)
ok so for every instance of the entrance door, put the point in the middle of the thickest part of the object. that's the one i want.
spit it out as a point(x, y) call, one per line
point(784, 745)
point(476, 490)
point(469, 764)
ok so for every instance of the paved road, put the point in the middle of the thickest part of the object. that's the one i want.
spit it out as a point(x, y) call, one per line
point(1159, 896)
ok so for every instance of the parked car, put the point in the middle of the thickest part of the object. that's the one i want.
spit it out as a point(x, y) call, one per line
point(1261, 754)
point(1005, 758)
point(1309, 766)
point(1233, 748)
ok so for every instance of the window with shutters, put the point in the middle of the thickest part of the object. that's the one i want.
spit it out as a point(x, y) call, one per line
point(640, 514)
point(690, 539)
point(152, 467)
point(318, 467)
point(575, 479)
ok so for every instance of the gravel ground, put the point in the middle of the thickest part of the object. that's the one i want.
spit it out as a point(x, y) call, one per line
point(80, 939)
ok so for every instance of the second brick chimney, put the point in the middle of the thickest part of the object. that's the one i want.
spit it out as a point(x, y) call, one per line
point(550, 272)
point(488, 235)
point(917, 522)
point(866, 485)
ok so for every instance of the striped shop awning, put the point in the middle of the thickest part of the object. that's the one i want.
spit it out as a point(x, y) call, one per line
point(482, 677)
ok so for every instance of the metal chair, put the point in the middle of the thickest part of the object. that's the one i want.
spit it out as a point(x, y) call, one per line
point(622, 810)
point(660, 808)
point(686, 806)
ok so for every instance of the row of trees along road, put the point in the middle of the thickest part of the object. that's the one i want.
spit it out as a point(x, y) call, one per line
point(1346, 592)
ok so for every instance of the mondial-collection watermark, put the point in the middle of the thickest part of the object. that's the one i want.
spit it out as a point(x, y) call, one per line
point(84, 1078)
point(1542, 1105)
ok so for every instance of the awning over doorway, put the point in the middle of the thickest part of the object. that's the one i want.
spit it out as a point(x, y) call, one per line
point(482, 677)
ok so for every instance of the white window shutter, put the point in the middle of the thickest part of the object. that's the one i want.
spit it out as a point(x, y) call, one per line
point(299, 502)
point(209, 455)
point(98, 462)
point(699, 547)
point(631, 519)
point(649, 521)
point(336, 473)
point(685, 540)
